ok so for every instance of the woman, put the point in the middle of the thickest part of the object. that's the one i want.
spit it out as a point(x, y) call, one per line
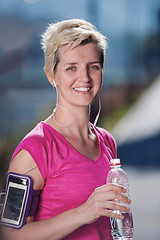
point(67, 156)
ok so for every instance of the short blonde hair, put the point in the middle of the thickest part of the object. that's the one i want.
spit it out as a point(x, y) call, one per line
point(73, 32)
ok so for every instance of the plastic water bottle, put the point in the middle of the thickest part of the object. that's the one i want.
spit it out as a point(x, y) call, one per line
point(120, 229)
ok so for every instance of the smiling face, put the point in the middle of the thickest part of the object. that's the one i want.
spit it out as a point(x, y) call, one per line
point(78, 75)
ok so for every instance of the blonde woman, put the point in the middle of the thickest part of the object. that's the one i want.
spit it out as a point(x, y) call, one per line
point(66, 156)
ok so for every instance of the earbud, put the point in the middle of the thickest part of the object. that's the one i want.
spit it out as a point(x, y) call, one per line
point(54, 83)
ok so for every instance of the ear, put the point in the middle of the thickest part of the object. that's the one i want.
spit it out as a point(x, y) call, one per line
point(50, 79)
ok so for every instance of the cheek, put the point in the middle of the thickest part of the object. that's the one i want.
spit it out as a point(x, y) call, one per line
point(99, 85)
point(96, 75)
point(64, 83)
point(99, 80)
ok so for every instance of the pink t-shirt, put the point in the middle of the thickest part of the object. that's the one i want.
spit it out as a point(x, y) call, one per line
point(70, 178)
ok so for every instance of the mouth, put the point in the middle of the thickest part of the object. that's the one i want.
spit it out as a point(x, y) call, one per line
point(82, 89)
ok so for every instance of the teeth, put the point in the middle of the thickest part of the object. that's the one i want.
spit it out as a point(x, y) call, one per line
point(81, 89)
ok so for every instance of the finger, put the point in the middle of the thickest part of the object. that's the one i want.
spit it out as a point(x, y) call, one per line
point(115, 187)
point(118, 197)
point(103, 195)
point(112, 205)
point(116, 206)
point(114, 215)
point(110, 213)
point(123, 198)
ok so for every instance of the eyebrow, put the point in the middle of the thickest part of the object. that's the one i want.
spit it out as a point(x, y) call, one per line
point(75, 63)
point(99, 62)
point(72, 63)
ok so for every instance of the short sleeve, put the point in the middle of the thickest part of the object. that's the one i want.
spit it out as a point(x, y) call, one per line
point(36, 146)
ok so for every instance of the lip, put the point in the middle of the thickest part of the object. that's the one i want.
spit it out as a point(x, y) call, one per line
point(82, 89)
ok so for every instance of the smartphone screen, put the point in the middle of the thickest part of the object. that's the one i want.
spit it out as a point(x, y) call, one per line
point(14, 203)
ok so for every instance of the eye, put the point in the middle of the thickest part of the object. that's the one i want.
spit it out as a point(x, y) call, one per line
point(95, 67)
point(71, 68)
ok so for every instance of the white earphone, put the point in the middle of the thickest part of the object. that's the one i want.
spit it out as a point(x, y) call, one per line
point(54, 83)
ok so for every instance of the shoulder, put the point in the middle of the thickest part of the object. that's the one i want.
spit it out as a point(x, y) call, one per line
point(105, 133)
point(34, 146)
point(36, 142)
point(108, 138)
point(40, 134)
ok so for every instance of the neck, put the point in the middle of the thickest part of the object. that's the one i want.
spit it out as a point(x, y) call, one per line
point(72, 120)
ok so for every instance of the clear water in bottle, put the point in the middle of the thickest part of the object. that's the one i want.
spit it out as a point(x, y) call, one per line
point(121, 229)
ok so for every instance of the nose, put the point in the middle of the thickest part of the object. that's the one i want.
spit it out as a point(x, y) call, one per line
point(85, 77)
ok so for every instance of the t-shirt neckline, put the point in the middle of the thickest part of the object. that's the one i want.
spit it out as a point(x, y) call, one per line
point(73, 149)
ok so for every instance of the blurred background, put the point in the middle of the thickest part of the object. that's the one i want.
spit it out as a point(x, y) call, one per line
point(130, 95)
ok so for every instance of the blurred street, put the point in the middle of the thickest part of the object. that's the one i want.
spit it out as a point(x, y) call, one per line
point(145, 196)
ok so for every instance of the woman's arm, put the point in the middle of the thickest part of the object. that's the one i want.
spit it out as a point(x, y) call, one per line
point(21, 163)
point(62, 225)
point(53, 228)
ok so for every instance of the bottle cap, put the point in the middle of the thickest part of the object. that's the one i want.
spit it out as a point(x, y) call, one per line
point(115, 162)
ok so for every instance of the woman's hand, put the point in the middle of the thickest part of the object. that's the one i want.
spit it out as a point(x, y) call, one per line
point(103, 201)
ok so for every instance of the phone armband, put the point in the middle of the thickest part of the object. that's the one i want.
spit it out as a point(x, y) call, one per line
point(20, 200)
